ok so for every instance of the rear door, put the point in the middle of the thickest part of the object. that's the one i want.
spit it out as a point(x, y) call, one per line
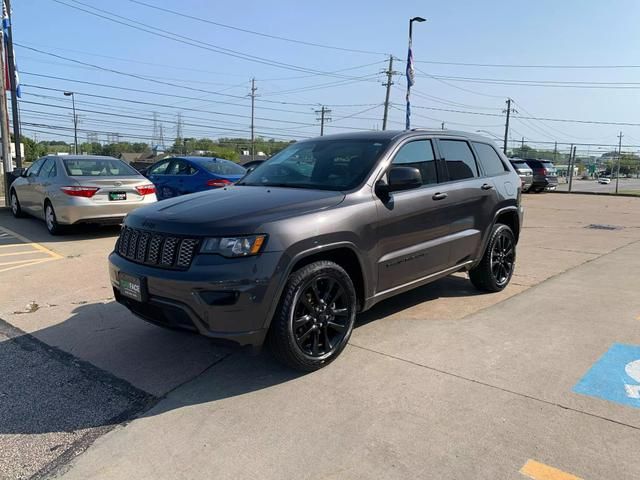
point(42, 183)
point(471, 199)
point(412, 226)
point(27, 191)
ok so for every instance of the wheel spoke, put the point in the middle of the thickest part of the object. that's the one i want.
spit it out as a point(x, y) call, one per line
point(336, 326)
point(304, 336)
point(300, 321)
point(331, 283)
point(316, 292)
point(307, 304)
point(327, 340)
point(339, 312)
point(316, 340)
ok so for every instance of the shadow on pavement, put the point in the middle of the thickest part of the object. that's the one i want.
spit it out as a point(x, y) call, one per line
point(44, 389)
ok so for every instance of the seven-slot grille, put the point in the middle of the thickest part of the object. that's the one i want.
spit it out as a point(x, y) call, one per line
point(156, 249)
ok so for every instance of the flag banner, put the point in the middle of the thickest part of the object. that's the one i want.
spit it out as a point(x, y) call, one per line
point(410, 70)
point(6, 22)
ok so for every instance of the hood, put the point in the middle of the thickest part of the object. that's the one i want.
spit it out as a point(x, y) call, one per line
point(230, 211)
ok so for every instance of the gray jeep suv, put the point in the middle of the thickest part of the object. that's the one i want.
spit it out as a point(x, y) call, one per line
point(324, 229)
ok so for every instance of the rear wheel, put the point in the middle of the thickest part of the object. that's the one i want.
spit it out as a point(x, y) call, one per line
point(315, 317)
point(15, 205)
point(494, 271)
point(51, 220)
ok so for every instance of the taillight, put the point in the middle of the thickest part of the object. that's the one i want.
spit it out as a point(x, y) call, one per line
point(86, 192)
point(218, 182)
point(146, 189)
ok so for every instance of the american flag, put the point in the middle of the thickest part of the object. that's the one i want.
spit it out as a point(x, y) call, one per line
point(410, 70)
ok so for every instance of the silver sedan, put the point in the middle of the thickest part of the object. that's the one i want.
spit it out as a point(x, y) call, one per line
point(66, 190)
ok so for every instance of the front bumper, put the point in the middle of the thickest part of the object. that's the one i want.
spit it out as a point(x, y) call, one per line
point(228, 299)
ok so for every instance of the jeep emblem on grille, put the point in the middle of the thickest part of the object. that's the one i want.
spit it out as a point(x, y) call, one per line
point(148, 224)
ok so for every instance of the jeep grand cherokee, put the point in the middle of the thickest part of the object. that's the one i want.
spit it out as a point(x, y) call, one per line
point(326, 228)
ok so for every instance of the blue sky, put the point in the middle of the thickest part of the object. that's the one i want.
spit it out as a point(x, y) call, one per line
point(518, 32)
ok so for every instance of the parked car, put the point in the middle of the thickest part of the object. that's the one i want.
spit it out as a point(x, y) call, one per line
point(176, 176)
point(79, 189)
point(524, 172)
point(545, 175)
point(324, 229)
point(604, 180)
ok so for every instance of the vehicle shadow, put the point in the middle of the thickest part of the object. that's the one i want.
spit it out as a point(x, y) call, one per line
point(127, 365)
point(35, 230)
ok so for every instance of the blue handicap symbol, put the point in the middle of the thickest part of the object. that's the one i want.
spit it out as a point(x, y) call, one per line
point(615, 376)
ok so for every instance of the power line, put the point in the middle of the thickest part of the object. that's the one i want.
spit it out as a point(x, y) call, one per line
point(154, 30)
point(506, 65)
point(266, 35)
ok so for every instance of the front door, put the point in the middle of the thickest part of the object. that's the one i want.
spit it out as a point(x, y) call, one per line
point(42, 182)
point(412, 227)
point(157, 175)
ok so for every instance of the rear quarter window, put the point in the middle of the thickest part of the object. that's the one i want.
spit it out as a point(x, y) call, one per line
point(489, 159)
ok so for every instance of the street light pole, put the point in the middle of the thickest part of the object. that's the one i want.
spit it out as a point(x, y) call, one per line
point(410, 72)
point(75, 121)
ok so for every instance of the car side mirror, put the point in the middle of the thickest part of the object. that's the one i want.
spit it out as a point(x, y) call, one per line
point(249, 170)
point(404, 178)
point(20, 172)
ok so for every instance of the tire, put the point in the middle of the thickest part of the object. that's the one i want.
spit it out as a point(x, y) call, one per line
point(16, 210)
point(495, 270)
point(51, 220)
point(317, 309)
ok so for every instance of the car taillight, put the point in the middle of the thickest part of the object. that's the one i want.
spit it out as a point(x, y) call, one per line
point(218, 182)
point(74, 191)
point(545, 171)
point(146, 189)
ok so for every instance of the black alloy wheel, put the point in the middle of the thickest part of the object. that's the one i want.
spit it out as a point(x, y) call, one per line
point(503, 257)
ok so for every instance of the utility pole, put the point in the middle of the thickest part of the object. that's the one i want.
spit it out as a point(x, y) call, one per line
point(324, 112)
point(390, 74)
point(555, 151)
point(572, 161)
point(506, 125)
point(442, 125)
point(75, 121)
point(4, 128)
point(522, 145)
point(14, 87)
point(253, 108)
point(619, 156)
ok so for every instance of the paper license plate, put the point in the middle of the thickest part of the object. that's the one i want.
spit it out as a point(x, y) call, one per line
point(131, 287)
point(117, 195)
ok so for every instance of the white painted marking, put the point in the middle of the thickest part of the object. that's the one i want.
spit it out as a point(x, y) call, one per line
point(633, 370)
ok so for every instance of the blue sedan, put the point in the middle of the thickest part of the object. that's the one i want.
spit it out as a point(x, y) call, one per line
point(181, 175)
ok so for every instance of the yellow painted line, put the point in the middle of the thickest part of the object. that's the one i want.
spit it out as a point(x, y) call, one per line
point(2, 264)
point(33, 262)
point(21, 252)
point(10, 245)
point(540, 471)
point(32, 244)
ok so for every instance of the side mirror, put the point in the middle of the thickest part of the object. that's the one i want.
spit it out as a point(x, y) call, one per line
point(19, 172)
point(249, 170)
point(404, 178)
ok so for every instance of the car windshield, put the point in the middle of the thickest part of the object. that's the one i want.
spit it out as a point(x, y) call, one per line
point(522, 165)
point(319, 164)
point(98, 167)
point(222, 167)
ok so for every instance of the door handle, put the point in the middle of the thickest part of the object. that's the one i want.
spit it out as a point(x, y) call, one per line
point(486, 186)
point(439, 196)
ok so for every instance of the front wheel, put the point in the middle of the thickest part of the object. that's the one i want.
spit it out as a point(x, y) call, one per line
point(494, 271)
point(315, 317)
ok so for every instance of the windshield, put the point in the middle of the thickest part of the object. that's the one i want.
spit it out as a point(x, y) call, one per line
point(521, 165)
point(319, 164)
point(222, 167)
point(98, 167)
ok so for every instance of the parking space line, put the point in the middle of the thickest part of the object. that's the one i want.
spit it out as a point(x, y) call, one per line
point(30, 262)
point(21, 252)
point(540, 471)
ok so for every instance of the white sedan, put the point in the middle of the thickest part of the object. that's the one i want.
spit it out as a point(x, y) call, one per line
point(604, 180)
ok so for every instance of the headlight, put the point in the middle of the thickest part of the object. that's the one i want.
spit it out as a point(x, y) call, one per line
point(234, 246)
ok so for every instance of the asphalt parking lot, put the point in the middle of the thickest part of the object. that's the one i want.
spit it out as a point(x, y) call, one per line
point(441, 382)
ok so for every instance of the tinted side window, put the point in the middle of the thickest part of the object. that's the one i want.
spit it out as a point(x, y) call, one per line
point(35, 167)
point(418, 154)
point(489, 159)
point(49, 165)
point(459, 159)
point(159, 169)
